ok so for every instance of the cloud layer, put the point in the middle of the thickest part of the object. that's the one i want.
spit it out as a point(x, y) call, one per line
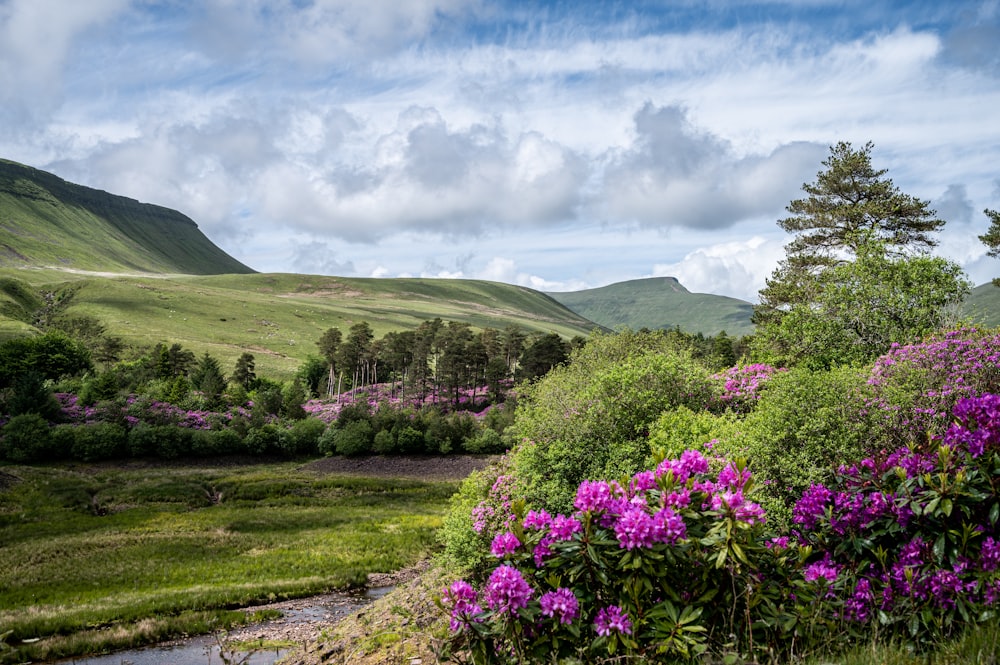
point(542, 144)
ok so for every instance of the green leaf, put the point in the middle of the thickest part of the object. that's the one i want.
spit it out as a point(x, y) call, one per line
point(994, 513)
point(939, 547)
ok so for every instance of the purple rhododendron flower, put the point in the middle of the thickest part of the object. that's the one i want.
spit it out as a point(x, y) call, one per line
point(642, 481)
point(504, 544)
point(634, 528)
point(669, 527)
point(563, 528)
point(561, 604)
point(691, 463)
point(733, 478)
point(812, 506)
point(461, 597)
point(506, 590)
point(612, 618)
point(537, 520)
point(825, 569)
point(598, 496)
point(989, 555)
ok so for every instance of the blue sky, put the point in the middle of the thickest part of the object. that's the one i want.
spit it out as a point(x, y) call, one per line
point(557, 145)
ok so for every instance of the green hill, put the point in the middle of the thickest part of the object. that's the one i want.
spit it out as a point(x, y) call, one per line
point(659, 302)
point(277, 317)
point(48, 222)
point(982, 306)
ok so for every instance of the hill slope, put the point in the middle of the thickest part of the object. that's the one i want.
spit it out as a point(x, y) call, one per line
point(277, 317)
point(46, 221)
point(982, 306)
point(659, 302)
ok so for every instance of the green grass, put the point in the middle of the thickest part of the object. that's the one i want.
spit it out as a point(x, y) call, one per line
point(102, 558)
point(279, 317)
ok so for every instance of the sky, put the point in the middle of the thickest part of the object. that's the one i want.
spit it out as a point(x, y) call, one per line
point(555, 145)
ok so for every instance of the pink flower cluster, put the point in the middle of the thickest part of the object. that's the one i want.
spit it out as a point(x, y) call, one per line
point(743, 385)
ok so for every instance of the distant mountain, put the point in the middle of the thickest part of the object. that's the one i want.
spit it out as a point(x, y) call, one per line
point(48, 222)
point(659, 302)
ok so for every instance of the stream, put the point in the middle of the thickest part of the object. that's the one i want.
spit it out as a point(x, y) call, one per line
point(301, 620)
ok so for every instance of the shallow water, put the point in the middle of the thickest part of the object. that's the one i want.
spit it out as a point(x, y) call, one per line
point(205, 650)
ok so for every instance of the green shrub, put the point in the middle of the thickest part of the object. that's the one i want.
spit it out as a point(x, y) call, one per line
point(31, 394)
point(410, 440)
point(100, 441)
point(103, 386)
point(682, 429)
point(805, 425)
point(263, 440)
point(210, 442)
point(26, 438)
point(354, 439)
point(476, 513)
point(63, 438)
point(591, 418)
point(384, 443)
point(302, 438)
point(486, 442)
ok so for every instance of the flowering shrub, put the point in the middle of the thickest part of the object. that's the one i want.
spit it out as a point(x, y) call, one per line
point(742, 386)
point(669, 563)
point(916, 386)
point(675, 562)
point(915, 535)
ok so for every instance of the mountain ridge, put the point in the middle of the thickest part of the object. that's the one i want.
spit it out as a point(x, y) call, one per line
point(46, 221)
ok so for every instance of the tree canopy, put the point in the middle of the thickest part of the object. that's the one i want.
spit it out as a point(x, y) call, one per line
point(856, 277)
point(992, 237)
point(850, 204)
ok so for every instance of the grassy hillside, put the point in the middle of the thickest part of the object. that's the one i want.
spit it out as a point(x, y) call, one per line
point(659, 302)
point(46, 221)
point(277, 317)
point(982, 307)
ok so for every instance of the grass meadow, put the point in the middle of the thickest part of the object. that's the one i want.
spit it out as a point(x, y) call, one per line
point(279, 317)
point(96, 558)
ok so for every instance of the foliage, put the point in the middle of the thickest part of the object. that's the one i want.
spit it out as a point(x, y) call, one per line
point(477, 512)
point(590, 418)
point(31, 394)
point(805, 424)
point(915, 387)
point(914, 535)
point(860, 308)
point(849, 204)
point(354, 438)
point(52, 356)
point(855, 278)
point(742, 386)
point(100, 441)
point(992, 237)
point(667, 565)
point(681, 429)
point(542, 355)
point(674, 563)
point(26, 438)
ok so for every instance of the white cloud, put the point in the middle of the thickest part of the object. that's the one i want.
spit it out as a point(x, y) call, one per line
point(676, 175)
point(736, 268)
point(36, 35)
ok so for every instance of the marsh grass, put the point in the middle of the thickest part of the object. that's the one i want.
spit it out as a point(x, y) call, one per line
point(103, 558)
